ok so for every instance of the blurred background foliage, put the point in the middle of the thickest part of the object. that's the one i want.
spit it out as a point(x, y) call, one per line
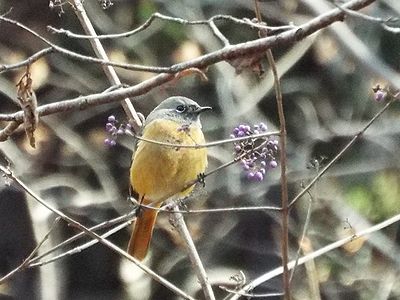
point(328, 98)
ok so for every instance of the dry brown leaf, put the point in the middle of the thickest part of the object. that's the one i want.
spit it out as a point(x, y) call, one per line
point(27, 99)
point(252, 62)
point(356, 242)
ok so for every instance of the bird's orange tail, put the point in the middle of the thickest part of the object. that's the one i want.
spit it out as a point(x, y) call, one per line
point(142, 232)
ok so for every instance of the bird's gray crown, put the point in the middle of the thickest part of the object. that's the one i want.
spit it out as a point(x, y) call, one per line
point(180, 109)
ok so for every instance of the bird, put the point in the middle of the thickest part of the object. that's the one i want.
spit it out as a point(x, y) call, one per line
point(159, 172)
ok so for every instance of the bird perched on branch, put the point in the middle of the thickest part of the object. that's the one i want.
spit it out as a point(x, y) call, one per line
point(159, 172)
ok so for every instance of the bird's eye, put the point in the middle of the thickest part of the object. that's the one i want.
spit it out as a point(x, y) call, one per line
point(181, 108)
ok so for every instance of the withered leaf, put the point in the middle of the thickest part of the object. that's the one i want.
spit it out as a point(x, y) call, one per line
point(251, 61)
point(27, 99)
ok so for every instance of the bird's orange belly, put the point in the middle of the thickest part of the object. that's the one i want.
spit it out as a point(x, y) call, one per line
point(159, 172)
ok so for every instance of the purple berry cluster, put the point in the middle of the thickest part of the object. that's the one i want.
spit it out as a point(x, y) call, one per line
point(257, 155)
point(114, 130)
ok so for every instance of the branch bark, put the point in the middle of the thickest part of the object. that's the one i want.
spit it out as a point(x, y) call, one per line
point(227, 53)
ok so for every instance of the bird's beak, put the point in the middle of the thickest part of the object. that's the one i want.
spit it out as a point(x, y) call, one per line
point(200, 109)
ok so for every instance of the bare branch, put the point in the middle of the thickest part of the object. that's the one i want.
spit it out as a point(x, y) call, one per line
point(25, 263)
point(250, 295)
point(207, 145)
point(382, 22)
point(68, 241)
point(303, 234)
point(227, 53)
point(179, 223)
point(8, 173)
point(110, 71)
point(31, 59)
point(85, 102)
point(78, 249)
point(341, 153)
point(276, 272)
point(8, 130)
point(149, 21)
point(71, 54)
point(283, 161)
point(166, 209)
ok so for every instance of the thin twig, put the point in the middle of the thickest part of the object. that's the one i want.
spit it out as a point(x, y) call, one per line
point(31, 59)
point(78, 249)
point(71, 54)
point(8, 130)
point(77, 236)
point(179, 223)
point(382, 22)
point(340, 154)
point(167, 209)
point(158, 15)
point(283, 160)
point(227, 53)
point(303, 235)
point(278, 271)
point(25, 263)
point(218, 33)
point(8, 173)
point(85, 102)
point(251, 295)
point(34, 262)
point(108, 70)
point(209, 144)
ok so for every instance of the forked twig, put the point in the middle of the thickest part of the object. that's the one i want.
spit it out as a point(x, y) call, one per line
point(341, 153)
point(9, 174)
point(25, 263)
point(278, 271)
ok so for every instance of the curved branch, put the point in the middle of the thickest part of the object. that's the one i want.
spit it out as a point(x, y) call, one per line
point(227, 53)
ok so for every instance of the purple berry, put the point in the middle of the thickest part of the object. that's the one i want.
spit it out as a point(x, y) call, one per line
point(250, 175)
point(111, 119)
point(380, 95)
point(258, 176)
point(109, 127)
point(238, 148)
point(113, 143)
point(107, 142)
point(273, 164)
point(263, 127)
point(241, 133)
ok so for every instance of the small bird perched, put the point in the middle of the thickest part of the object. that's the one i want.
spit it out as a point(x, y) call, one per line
point(159, 172)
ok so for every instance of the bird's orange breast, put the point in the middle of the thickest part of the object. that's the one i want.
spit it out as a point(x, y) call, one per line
point(160, 171)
